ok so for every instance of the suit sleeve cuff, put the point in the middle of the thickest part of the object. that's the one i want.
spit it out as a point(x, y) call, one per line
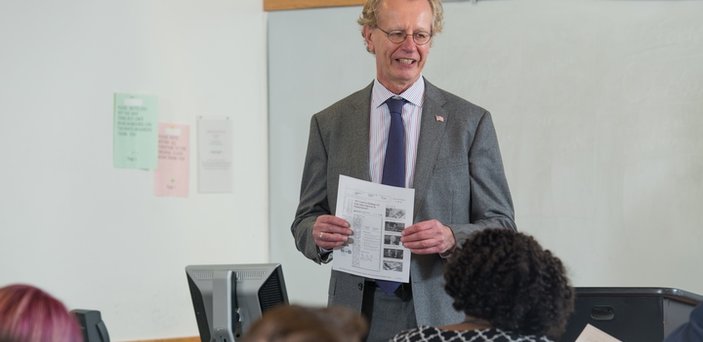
point(325, 254)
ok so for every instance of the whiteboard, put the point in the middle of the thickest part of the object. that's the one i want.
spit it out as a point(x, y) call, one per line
point(598, 107)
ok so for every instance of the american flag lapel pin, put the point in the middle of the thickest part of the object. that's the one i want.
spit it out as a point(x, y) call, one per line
point(439, 118)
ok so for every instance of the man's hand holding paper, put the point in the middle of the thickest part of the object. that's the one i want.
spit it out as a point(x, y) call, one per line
point(428, 237)
point(330, 232)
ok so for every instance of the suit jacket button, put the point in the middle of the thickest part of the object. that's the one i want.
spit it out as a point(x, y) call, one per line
point(361, 286)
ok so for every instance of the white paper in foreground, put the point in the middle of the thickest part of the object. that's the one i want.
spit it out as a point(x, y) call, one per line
point(378, 214)
point(593, 334)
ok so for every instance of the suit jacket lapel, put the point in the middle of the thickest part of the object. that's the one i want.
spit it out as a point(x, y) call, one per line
point(357, 123)
point(431, 131)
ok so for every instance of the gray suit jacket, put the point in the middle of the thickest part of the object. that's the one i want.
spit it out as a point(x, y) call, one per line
point(459, 180)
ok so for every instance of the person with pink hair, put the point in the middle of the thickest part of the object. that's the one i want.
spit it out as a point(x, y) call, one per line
point(29, 314)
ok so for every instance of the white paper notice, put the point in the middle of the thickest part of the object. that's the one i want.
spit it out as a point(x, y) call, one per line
point(593, 334)
point(378, 214)
point(214, 155)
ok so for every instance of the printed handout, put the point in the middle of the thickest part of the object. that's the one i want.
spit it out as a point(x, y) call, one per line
point(378, 214)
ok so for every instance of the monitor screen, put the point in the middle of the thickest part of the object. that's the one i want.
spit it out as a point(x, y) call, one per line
point(227, 299)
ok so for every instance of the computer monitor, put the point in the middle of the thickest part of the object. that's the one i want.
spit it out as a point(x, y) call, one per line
point(92, 325)
point(642, 314)
point(227, 299)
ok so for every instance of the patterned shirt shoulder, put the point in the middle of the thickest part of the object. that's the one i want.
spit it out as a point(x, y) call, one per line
point(433, 334)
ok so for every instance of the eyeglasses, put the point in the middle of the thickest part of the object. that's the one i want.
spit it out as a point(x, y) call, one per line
point(398, 36)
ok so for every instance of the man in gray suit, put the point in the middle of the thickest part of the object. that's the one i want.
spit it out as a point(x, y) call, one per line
point(451, 159)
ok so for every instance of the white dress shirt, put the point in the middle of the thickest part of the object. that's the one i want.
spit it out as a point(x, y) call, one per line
point(380, 124)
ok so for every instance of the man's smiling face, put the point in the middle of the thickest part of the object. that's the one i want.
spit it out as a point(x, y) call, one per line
point(399, 65)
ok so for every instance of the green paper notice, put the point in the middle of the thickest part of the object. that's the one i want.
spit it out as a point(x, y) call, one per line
point(135, 133)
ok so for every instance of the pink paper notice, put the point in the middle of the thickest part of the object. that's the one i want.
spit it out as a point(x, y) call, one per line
point(172, 171)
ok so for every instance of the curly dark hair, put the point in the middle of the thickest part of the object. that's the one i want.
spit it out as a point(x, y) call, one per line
point(508, 279)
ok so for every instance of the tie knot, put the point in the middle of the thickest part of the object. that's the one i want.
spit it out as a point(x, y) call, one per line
point(395, 104)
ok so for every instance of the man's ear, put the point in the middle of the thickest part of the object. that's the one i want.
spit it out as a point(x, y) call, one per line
point(366, 32)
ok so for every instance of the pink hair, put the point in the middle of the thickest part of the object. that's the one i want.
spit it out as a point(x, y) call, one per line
point(29, 314)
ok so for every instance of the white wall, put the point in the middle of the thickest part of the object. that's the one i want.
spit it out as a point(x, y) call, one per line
point(598, 107)
point(91, 234)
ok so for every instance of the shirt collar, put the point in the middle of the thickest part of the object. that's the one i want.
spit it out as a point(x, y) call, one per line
point(414, 94)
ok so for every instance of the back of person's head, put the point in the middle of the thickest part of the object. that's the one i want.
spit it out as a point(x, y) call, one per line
point(508, 279)
point(293, 323)
point(28, 314)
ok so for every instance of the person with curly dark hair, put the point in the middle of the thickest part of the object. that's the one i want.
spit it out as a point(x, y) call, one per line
point(509, 288)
